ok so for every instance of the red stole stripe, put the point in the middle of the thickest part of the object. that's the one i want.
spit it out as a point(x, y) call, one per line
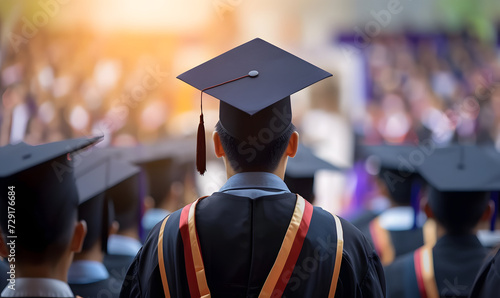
point(190, 272)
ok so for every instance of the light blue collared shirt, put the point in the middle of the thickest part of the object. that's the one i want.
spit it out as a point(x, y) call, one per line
point(86, 272)
point(254, 185)
point(38, 287)
point(152, 217)
point(123, 245)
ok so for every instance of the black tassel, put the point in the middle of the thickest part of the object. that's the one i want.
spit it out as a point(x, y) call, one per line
point(201, 151)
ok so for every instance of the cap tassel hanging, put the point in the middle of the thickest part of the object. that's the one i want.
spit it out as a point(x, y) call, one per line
point(201, 147)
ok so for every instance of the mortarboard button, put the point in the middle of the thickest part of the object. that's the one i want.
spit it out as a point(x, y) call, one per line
point(253, 73)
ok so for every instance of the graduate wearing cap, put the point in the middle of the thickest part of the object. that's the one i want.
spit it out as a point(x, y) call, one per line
point(161, 177)
point(96, 174)
point(460, 179)
point(254, 237)
point(300, 170)
point(127, 197)
point(396, 231)
point(38, 186)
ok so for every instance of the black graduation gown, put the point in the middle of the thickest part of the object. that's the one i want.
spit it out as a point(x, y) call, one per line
point(403, 241)
point(109, 287)
point(240, 239)
point(363, 218)
point(117, 265)
point(457, 260)
point(487, 282)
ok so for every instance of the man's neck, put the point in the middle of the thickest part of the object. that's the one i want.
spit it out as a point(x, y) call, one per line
point(93, 254)
point(279, 171)
point(132, 233)
point(57, 271)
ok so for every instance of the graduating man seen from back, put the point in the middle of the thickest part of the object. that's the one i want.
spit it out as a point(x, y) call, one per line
point(459, 181)
point(40, 191)
point(254, 237)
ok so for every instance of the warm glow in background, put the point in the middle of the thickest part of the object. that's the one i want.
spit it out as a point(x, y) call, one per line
point(71, 68)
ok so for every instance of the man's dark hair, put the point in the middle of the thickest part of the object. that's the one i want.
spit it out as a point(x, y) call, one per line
point(458, 212)
point(127, 200)
point(399, 185)
point(265, 160)
point(45, 212)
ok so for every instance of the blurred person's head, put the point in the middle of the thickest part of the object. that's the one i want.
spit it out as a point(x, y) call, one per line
point(458, 212)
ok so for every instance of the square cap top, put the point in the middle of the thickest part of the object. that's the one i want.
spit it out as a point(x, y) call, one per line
point(167, 149)
point(390, 157)
point(98, 171)
point(19, 157)
point(306, 163)
point(273, 74)
point(462, 168)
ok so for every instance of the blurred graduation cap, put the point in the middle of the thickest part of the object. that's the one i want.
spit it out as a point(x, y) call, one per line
point(460, 178)
point(96, 174)
point(46, 199)
point(391, 164)
point(254, 82)
point(157, 160)
point(300, 170)
point(461, 168)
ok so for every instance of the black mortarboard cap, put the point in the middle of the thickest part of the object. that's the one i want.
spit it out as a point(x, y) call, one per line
point(460, 177)
point(462, 168)
point(392, 157)
point(95, 174)
point(254, 82)
point(46, 198)
point(157, 160)
point(395, 165)
point(299, 174)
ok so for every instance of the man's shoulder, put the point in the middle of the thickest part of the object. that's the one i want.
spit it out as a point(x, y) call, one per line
point(328, 221)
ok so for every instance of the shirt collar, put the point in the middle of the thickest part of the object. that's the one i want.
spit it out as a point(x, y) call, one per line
point(123, 245)
point(251, 180)
point(397, 218)
point(85, 272)
point(38, 287)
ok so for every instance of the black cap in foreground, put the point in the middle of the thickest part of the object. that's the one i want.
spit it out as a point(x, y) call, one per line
point(39, 184)
point(254, 82)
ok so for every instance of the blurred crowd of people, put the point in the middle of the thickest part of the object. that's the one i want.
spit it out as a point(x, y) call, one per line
point(435, 87)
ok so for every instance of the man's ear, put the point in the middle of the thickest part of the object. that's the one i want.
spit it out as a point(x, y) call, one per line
point(488, 212)
point(78, 236)
point(4, 251)
point(113, 229)
point(148, 203)
point(293, 144)
point(219, 151)
point(427, 209)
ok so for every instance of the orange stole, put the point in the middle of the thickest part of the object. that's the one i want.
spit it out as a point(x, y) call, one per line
point(424, 270)
point(382, 242)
